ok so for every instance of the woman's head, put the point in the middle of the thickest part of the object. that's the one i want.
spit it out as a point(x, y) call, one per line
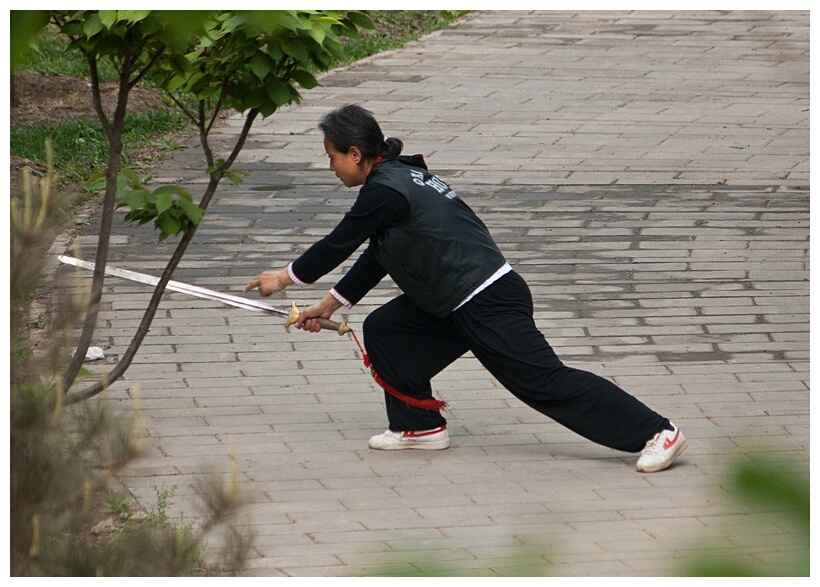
point(353, 141)
point(353, 126)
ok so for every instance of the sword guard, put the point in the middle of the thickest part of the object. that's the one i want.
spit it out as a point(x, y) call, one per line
point(341, 327)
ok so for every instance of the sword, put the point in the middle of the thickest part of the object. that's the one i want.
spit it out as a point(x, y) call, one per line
point(209, 294)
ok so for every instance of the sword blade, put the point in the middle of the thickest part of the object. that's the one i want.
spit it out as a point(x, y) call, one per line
point(177, 286)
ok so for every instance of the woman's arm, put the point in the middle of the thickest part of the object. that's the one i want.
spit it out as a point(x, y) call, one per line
point(376, 208)
point(365, 274)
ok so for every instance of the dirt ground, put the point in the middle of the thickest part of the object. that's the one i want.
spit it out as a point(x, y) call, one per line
point(47, 99)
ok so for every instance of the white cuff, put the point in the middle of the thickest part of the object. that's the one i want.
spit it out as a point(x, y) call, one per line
point(292, 275)
point(344, 301)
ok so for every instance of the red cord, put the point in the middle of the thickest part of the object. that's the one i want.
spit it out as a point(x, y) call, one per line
point(425, 404)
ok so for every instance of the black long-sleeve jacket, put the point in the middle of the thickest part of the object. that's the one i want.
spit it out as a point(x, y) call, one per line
point(421, 233)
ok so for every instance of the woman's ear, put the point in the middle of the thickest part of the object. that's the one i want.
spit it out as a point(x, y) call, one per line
point(356, 154)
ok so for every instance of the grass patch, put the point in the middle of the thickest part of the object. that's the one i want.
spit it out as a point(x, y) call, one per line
point(50, 55)
point(80, 148)
point(394, 29)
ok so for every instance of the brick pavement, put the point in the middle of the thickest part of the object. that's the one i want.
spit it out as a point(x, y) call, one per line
point(648, 175)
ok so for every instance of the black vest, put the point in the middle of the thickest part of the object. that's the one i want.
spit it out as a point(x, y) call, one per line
point(445, 252)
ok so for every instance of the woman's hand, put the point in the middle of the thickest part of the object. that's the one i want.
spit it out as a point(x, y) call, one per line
point(269, 282)
point(323, 309)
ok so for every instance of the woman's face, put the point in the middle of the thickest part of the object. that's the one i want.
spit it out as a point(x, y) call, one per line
point(348, 167)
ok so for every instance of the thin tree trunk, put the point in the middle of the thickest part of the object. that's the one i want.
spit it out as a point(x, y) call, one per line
point(145, 324)
point(113, 130)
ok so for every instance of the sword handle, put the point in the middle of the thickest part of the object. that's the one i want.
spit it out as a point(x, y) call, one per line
point(341, 327)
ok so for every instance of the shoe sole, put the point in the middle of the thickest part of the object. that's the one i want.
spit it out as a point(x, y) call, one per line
point(668, 462)
point(437, 445)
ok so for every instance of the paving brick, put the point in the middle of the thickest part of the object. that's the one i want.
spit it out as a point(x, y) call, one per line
point(665, 236)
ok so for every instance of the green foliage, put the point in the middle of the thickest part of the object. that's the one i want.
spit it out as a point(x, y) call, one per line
point(766, 492)
point(163, 497)
point(24, 26)
point(131, 39)
point(119, 505)
point(137, 548)
point(61, 459)
point(235, 176)
point(246, 60)
point(258, 60)
point(170, 207)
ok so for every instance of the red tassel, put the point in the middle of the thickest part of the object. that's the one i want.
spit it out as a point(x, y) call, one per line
point(361, 349)
point(425, 404)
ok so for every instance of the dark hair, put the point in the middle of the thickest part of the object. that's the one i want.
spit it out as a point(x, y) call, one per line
point(353, 126)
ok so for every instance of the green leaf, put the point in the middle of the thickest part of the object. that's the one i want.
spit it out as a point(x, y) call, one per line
point(361, 20)
point(167, 190)
point(260, 65)
point(174, 83)
point(108, 18)
point(122, 184)
point(180, 64)
point(72, 28)
point(131, 176)
point(163, 202)
point(236, 176)
point(168, 225)
point(267, 109)
point(92, 26)
point(135, 199)
point(201, 84)
point(318, 34)
point(254, 99)
point(284, 19)
point(279, 92)
point(192, 211)
point(296, 49)
point(233, 22)
point(133, 16)
point(304, 79)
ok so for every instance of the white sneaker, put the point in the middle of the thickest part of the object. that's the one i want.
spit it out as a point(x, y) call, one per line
point(435, 439)
point(661, 450)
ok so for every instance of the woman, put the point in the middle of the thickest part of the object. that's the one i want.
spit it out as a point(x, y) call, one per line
point(459, 295)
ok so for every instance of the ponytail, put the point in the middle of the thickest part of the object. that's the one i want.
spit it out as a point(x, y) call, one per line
point(392, 147)
point(353, 126)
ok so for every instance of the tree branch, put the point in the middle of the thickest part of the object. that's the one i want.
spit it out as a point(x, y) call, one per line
point(243, 135)
point(148, 66)
point(96, 97)
point(218, 106)
point(192, 117)
point(203, 136)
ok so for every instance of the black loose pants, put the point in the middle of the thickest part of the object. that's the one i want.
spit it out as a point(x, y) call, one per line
point(408, 347)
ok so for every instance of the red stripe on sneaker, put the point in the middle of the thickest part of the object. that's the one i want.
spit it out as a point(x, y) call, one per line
point(422, 434)
point(667, 444)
